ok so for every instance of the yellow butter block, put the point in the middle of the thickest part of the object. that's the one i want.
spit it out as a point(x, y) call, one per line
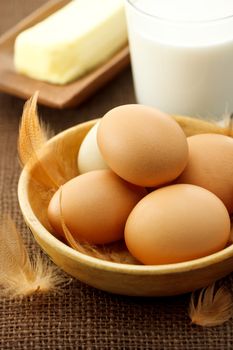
point(72, 41)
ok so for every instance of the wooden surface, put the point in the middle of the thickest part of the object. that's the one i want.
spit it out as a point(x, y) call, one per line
point(50, 94)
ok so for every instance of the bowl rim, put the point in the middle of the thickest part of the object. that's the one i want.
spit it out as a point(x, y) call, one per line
point(35, 226)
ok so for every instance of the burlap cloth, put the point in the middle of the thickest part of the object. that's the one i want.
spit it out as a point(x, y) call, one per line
point(83, 317)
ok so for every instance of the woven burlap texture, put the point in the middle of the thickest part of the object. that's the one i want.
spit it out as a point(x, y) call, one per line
point(82, 317)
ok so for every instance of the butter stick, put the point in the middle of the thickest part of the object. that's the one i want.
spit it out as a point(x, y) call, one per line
point(72, 41)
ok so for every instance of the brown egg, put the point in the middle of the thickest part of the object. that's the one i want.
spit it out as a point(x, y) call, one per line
point(95, 206)
point(54, 214)
point(142, 145)
point(177, 223)
point(210, 165)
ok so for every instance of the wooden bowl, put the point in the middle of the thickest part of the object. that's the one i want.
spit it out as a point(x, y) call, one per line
point(127, 279)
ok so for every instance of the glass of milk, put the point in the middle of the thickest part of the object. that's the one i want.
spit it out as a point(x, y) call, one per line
point(182, 55)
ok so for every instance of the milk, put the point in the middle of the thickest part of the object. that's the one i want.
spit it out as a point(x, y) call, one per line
point(182, 55)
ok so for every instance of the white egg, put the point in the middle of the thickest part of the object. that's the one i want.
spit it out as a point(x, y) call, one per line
point(89, 156)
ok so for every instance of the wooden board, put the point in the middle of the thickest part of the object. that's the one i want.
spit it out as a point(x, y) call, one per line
point(53, 95)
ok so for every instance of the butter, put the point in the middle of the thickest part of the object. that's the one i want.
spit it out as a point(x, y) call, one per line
point(72, 41)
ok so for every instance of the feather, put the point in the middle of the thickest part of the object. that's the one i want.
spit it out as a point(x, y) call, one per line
point(213, 307)
point(33, 135)
point(20, 276)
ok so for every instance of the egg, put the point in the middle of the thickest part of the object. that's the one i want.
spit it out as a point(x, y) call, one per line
point(177, 223)
point(210, 165)
point(89, 156)
point(142, 145)
point(95, 206)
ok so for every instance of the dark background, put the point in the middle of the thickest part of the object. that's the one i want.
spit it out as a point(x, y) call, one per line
point(83, 317)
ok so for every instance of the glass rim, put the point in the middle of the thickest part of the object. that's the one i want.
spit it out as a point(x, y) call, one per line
point(132, 3)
